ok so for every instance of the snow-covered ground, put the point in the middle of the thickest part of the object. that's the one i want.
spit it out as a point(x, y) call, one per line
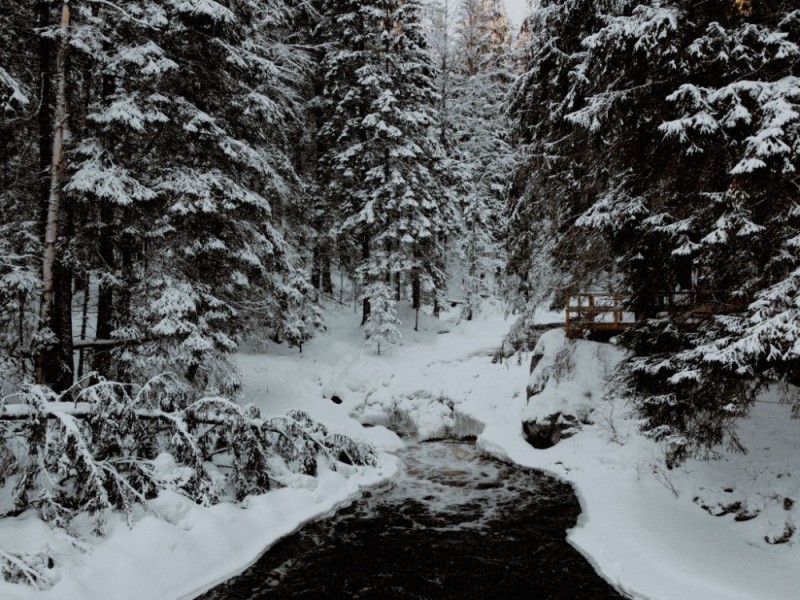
point(635, 530)
point(643, 526)
point(443, 381)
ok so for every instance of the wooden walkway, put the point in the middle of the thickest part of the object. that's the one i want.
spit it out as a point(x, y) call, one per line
point(607, 311)
point(597, 311)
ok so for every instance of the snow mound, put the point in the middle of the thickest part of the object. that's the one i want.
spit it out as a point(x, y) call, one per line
point(566, 385)
point(644, 527)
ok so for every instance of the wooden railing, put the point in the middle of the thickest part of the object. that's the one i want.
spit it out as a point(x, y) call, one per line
point(607, 311)
point(597, 311)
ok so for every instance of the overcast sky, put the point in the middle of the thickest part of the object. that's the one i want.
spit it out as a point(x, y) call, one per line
point(516, 10)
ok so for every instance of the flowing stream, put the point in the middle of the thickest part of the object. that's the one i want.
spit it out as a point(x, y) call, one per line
point(454, 525)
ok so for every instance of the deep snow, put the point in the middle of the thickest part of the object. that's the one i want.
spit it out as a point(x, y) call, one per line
point(442, 381)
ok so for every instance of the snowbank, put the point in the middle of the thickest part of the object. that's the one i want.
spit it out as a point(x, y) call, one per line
point(190, 548)
point(443, 380)
point(634, 530)
point(642, 526)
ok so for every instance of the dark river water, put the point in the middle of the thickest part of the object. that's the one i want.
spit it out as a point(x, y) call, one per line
point(454, 525)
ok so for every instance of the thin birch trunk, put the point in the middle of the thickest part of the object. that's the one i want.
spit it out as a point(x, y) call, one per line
point(365, 304)
point(56, 186)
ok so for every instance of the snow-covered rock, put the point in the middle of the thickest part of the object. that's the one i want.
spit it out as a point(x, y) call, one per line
point(565, 386)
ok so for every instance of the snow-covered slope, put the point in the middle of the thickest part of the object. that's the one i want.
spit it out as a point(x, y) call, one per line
point(443, 380)
point(642, 525)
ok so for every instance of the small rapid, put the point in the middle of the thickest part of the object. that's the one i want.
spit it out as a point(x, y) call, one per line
point(453, 524)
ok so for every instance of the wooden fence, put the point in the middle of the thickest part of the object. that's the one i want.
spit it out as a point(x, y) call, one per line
point(608, 311)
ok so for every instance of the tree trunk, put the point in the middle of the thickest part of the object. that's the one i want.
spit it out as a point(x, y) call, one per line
point(316, 268)
point(61, 367)
point(122, 308)
point(365, 310)
point(416, 292)
point(105, 292)
point(101, 359)
point(365, 306)
point(84, 324)
point(54, 363)
point(45, 113)
point(327, 280)
point(416, 298)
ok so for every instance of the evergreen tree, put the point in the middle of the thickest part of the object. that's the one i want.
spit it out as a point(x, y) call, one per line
point(480, 140)
point(381, 329)
point(17, 281)
point(556, 172)
point(179, 166)
point(471, 46)
point(25, 105)
point(688, 112)
point(382, 158)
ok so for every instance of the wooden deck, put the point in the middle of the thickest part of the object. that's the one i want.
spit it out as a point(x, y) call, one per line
point(596, 311)
point(606, 311)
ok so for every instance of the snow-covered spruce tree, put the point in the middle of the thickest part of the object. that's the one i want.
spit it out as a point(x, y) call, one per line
point(312, 211)
point(184, 156)
point(381, 329)
point(470, 46)
point(689, 115)
point(19, 195)
point(300, 318)
point(479, 141)
point(381, 156)
point(484, 34)
point(558, 167)
point(26, 126)
point(742, 234)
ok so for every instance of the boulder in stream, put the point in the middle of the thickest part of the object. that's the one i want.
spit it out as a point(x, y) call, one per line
point(546, 433)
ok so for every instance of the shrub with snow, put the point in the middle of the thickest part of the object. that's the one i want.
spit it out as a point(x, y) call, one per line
point(113, 447)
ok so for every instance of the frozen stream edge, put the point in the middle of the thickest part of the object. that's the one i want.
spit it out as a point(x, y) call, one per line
point(498, 452)
point(389, 468)
point(473, 426)
point(450, 496)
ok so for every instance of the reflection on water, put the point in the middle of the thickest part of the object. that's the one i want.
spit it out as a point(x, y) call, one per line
point(453, 525)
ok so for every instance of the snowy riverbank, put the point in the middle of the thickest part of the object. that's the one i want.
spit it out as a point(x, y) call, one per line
point(185, 551)
point(442, 381)
point(178, 549)
point(644, 527)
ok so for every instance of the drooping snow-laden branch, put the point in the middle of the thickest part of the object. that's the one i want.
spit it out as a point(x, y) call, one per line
point(14, 567)
point(114, 447)
point(123, 12)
